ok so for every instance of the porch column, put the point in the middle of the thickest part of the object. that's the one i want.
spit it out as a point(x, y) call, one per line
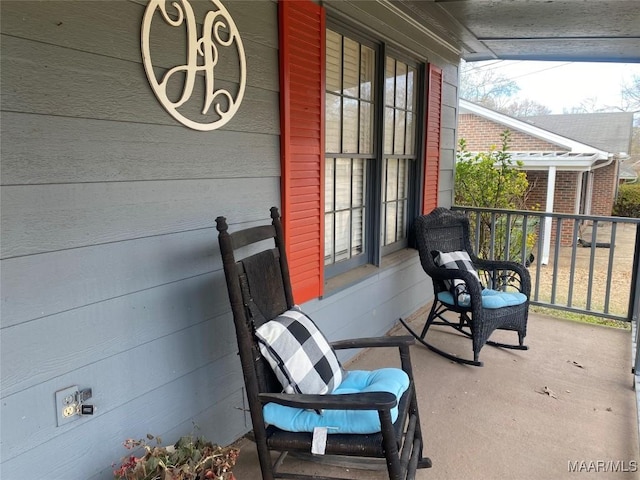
point(546, 241)
point(587, 205)
point(578, 201)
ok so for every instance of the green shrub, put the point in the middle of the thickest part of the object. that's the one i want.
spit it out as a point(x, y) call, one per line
point(494, 180)
point(628, 201)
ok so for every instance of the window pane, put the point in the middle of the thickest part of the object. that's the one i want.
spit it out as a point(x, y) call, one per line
point(388, 130)
point(334, 61)
point(367, 76)
point(366, 128)
point(343, 183)
point(389, 79)
point(358, 179)
point(332, 124)
point(411, 97)
point(351, 80)
point(401, 85)
point(390, 229)
point(400, 221)
point(402, 179)
point(391, 180)
point(328, 238)
point(357, 232)
point(343, 230)
point(328, 184)
point(349, 125)
point(409, 144)
point(398, 138)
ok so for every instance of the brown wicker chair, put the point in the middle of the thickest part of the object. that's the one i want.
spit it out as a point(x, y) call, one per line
point(259, 290)
point(443, 230)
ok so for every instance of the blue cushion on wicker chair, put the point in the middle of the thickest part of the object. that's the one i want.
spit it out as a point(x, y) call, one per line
point(392, 380)
point(491, 299)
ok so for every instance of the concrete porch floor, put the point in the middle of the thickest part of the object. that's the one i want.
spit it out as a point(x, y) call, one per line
point(496, 422)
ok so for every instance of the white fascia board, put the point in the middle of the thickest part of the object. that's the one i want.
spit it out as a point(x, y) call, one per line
point(559, 160)
point(582, 166)
point(514, 123)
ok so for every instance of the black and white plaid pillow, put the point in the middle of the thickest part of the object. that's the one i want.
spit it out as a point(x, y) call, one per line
point(299, 354)
point(456, 261)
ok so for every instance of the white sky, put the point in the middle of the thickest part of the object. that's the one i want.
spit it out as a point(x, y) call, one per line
point(563, 85)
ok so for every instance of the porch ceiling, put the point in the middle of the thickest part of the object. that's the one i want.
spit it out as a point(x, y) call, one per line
point(560, 30)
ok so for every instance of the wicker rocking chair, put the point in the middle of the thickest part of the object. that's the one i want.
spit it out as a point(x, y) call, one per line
point(260, 293)
point(502, 305)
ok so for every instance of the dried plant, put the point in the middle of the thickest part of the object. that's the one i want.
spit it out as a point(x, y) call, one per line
point(189, 459)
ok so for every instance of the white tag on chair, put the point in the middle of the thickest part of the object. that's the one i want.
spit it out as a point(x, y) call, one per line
point(319, 442)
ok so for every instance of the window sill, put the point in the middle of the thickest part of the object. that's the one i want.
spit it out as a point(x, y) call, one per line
point(358, 274)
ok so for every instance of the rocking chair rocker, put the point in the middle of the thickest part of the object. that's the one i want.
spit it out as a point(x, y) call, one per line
point(446, 256)
point(263, 310)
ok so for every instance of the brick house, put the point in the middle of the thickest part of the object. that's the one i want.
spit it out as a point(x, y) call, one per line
point(608, 131)
point(567, 174)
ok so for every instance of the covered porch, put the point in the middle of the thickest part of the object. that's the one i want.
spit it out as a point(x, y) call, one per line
point(566, 405)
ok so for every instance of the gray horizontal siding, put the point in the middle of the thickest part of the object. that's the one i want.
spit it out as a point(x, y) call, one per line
point(108, 328)
point(111, 276)
point(69, 279)
point(449, 138)
point(91, 444)
point(120, 378)
point(43, 218)
point(106, 88)
point(110, 151)
point(85, 27)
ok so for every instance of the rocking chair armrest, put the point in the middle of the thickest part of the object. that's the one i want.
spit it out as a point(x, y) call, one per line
point(496, 265)
point(440, 273)
point(499, 265)
point(373, 342)
point(347, 401)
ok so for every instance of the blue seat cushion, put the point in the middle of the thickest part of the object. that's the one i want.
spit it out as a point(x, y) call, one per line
point(392, 380)
point(491, 299)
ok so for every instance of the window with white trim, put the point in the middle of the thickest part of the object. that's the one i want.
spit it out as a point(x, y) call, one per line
point(371, 114)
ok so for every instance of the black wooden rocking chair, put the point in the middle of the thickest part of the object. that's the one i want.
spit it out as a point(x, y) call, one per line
point(260, 290)
point(446, 255)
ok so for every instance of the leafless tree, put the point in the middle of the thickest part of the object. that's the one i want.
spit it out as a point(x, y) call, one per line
point(494, 90)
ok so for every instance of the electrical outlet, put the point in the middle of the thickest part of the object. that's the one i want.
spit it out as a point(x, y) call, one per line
point(69, 410)
point(67, 405)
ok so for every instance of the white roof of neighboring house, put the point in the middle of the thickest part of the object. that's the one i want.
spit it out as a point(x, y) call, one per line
point(579, 157)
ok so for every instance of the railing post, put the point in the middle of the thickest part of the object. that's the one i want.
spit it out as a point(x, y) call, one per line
point(634, 300)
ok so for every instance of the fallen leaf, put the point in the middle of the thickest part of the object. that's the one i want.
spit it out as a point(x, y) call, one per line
point(547, 391)
point(575, 364)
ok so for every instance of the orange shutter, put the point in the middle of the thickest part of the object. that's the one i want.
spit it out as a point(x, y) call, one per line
point(432, 139)
point(302, 85)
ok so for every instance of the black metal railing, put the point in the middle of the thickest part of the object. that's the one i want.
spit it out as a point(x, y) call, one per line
point(580, 263)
